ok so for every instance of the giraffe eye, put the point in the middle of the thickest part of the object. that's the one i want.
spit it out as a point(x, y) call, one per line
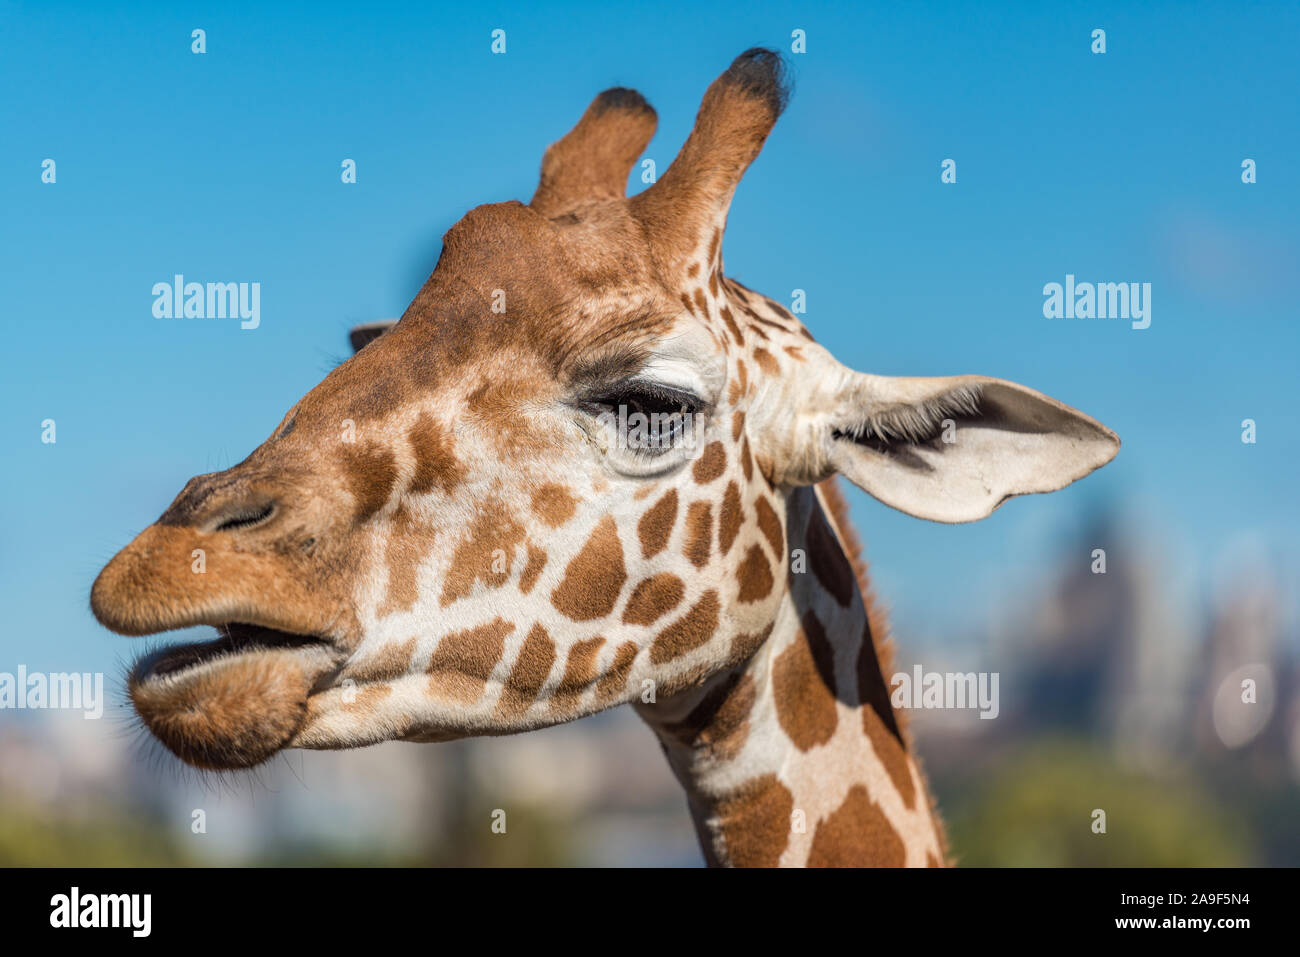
point(648, 419)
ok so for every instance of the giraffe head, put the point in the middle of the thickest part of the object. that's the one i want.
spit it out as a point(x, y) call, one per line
point(557, 482)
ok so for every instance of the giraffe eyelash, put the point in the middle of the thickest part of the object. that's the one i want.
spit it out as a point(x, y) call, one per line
point(644, 392)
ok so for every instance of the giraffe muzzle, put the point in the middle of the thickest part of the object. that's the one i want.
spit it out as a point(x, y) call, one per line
point(234, 701)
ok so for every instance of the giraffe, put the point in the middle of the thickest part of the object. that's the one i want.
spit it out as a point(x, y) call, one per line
point(586, 469)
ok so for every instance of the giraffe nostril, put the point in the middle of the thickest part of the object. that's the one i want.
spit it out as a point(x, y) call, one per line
point(245, 517)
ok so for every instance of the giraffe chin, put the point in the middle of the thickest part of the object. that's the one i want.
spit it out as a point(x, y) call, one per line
point(231, 703)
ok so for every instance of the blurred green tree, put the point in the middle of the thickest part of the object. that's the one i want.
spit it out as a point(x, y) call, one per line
point(1038, 812)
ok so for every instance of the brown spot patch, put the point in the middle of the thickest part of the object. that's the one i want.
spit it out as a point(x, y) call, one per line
point(754, 821)
point(765, 360)
point(690, 678)
point(803, 686)
point(653, 598)
point(754, 575)
point(730, 519)
point(700, 302)
point(795, 352)
point(463, 661)
point(478, 557)
point(699, 533)
point(529, 673)
point(554, 504)
point(436, 465)
point(391, 661)
point(857, 834)
point(615, 680)
point(371, 473)
point(734, 329)
point(656, 525)
point(737, 426)
point(746, 459)
point(827, 559)
point(779, 309)
point(688, 632)
point(772, 323)
point(408, 544)
point(579, 674)
point(532, 570)
point(595, 576)
point(744, 645)
point(769, 524)
point(711, 463)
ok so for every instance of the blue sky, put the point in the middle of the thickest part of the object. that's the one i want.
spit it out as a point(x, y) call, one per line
point(225, 166)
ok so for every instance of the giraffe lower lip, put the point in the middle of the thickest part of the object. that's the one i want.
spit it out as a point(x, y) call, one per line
point(233, 702)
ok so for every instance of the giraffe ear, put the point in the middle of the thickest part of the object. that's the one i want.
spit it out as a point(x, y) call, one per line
point(954, 449)
point(362, 335)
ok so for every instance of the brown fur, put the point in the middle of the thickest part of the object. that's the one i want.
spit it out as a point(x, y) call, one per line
point(699, 533)
point(656, 525)
point(579, 674)
point(653, 598)
point(594, 578)
point(688, 632)
point(463, 661)
point(803, 685)
point(754, 822)
point(730, 518)
point(477, 557)
point(754, 576)
point(856, 832)
point(530, 671)
point(611, 685)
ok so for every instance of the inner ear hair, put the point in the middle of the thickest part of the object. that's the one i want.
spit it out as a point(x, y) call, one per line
point(910, 423)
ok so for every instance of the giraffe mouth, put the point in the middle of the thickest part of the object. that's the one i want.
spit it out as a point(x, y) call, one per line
point(233, 638)
point(234, 701)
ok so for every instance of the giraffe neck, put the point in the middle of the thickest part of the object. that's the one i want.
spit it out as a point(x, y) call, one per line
point(796, 755)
